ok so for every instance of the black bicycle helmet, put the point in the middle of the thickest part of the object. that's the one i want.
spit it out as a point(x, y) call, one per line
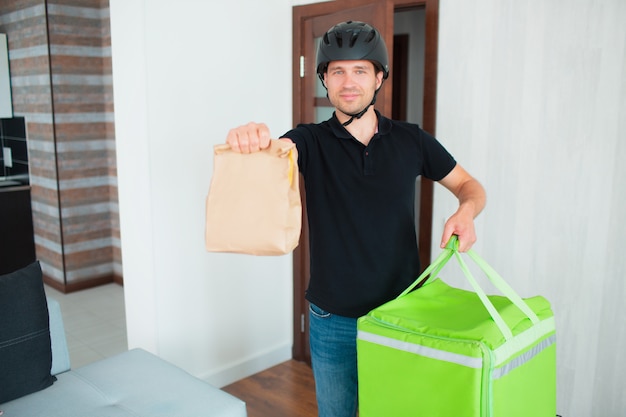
point(352, 41)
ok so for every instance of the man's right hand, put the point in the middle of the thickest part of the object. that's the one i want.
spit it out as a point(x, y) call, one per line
point(252, 137)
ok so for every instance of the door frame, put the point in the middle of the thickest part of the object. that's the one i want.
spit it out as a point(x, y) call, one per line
point(300, 349)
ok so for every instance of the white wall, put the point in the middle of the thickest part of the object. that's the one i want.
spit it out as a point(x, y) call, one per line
point(183, 76)
point(6, 102)
point(532, 101)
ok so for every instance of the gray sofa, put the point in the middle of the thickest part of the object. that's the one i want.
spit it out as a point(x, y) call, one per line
point(134, 383)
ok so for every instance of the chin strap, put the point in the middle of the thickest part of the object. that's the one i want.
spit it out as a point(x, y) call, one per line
point(357, 115)
point(362, 112)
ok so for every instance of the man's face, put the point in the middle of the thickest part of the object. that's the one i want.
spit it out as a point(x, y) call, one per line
point(351, 84)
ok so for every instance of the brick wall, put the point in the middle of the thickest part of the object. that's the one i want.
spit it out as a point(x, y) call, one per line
point(60, 62)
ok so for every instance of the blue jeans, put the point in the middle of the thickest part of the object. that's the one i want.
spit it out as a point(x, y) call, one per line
point(333, 357)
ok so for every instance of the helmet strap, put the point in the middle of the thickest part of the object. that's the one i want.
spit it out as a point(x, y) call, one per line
point(357, 115)
point(362, 112)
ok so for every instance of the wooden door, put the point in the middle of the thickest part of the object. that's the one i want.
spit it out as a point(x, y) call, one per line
point(310, 105)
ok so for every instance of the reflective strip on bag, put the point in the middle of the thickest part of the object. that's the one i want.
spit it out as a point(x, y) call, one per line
point(425, 351)
point(524, 357)
point(464, 360)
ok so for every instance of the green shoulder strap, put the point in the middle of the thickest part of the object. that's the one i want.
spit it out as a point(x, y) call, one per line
point(433, 269)
point(452, 248)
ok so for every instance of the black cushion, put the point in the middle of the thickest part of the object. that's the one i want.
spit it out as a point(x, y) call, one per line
point(25, 353)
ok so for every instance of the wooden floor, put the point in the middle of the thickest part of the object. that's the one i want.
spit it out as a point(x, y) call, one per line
point(286, 390)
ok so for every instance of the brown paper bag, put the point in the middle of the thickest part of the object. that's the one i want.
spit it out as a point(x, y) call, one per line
point(253, 205)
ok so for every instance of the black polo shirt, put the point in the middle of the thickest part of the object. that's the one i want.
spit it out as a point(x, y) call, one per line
point(360, 203)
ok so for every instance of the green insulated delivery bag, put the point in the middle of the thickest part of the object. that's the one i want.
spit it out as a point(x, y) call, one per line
point(439, 351)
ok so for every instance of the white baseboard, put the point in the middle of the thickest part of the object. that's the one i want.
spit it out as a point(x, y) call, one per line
point(243, 369)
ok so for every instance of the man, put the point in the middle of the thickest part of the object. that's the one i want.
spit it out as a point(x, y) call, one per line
point(360, 169)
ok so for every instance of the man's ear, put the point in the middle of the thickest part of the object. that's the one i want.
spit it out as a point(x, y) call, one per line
point(379, 79)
